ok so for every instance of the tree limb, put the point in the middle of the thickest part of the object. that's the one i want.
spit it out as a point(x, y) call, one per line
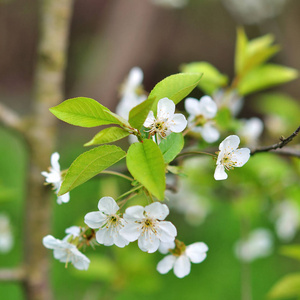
point(12, 275)
point(10, 118)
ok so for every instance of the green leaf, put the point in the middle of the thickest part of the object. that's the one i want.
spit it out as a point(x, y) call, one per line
point(108, 135)
point(287, 287)
point(84, 112)
point(175, 87)
point(89, 164)
point(240, 50)
point(212, 79)
point(264, 77)
point(171, 146)
point(292, 251)
point(146, 164)
point(139, 113)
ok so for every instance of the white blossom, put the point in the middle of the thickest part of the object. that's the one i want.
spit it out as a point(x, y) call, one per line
point(166, 121)
point(201, 112)
point(130, 93)
point(181, 261)
point(66, 252)
point(230, 157)
point(54, 177)
point(146, 225)
point(287, 215)
point(73, 230)
point(6, 237)
point(108, 222)
point(251, 130)
point(259, 243)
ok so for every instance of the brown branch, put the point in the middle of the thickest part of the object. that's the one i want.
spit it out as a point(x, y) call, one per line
point(12, 275)
point(10, 118)
point(283, 142)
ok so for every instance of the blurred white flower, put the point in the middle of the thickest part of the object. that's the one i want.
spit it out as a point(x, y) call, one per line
point(165, 247)
point(167, 121)
point(230, 157)
point(287, 216)
point(251, 130)
point(181, 258)
point(146, 225)
point(171, 3)
point(254, 11)
point(73, 230)
point(108, 222)
point(201, 112)
point(54, 177)
point(231, 100)
point(259, 243)
point(6, 237)
point(130, 93)
point(66, 252)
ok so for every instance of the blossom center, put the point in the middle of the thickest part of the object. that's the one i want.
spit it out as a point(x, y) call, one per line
point(113, 221)
point(228, 162)
point(160, 127)
point(149, 224)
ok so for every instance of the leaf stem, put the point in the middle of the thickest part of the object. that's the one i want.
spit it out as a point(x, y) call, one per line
point(129, 192)
point(194, 153)
point(117, 174)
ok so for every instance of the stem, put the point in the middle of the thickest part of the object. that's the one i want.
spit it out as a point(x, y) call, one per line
point(13, 274)
point(194, 153)
point(129, 192)
point(117, 174)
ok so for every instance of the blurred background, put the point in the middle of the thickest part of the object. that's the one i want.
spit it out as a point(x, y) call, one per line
point(107, 39)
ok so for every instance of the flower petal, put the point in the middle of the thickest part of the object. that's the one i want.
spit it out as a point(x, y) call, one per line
point(148, 241)
point(54, 162)
point(79, 260)
point(167, 231)
point(149, 120)
point(182, 266)
point(196, 252)
point(157, 210)
point(95, 219)
point(240, 156)
point(166, 264)
point(103, 236)
point(63, 198)
point(230, 143)
point(135, 212)
point(131, 231)
point(164, 247)
point(51, 242)
point(108, 205)
point(178, 123)
point(165, 109)
point(208, 107)
point(192, 106)
point(220, 173)
point(209, 133)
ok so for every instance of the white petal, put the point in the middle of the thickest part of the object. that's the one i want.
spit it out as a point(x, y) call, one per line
point(166, 264)
point(182, 266)
point(103, 236)
point(120, 241)
point(131, 231)
point(191, 105)
point(178, 123)
point(230, 143)
point(135, 77)
point(167, 231)
point(208, 107)
point(209, 133)
point(50, 242)
point(61, 254)
point(95, 219)
point(196, 252)
point(63, 198)
point(157, 210)
point(135, 212)
point(54, 162)
point(80, 261)
point(240, 156)
point(220, 173)
point(149, 120)
point(108, 206)
point(164, 247)
point(165, 109)
point(74, 230)
point(148, 241)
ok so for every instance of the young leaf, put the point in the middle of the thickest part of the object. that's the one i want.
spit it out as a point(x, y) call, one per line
point(89, 164)
point(264, 77)
point(171, 146)
point(146, 164)
point(212, 79)
point(287, 287)
point(139, 113)
point(84, 112)
point(108, 135)
point(174, 87)
point(240, 50)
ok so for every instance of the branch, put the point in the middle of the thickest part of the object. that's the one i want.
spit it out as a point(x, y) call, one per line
point(12, 275)
point(10, 118)
point(283, 142)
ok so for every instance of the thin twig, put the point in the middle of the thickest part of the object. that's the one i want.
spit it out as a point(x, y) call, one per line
point(279, 145)
point(10, 118)
point(12, 275)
